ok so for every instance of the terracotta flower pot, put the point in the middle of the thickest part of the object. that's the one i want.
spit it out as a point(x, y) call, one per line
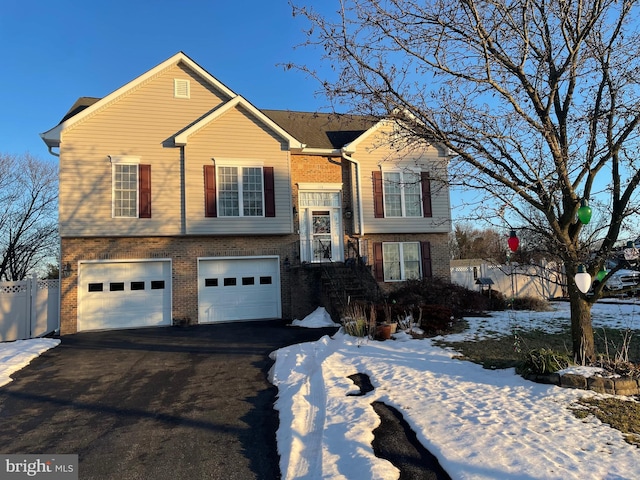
point(383, 332)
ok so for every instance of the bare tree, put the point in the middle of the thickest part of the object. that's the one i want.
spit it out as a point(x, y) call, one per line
point(537, 100)
point(28, 219)
point(469, 242)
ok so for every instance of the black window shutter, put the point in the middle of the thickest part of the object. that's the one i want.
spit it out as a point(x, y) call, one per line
point(427, 271)
point(378, 263)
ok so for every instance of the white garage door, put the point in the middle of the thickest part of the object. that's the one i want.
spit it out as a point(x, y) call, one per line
point(124, 294)
point(245, 288)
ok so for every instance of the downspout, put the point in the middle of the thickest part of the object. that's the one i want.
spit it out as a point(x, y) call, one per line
point(51, 147)
point(356, 164)
point(183, 191)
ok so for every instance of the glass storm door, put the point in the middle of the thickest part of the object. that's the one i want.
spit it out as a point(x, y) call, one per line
point(320, 227)
point(321, 236)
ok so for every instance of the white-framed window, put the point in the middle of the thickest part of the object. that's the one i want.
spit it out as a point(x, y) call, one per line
point(125, 190)
point(125, 184)
point(240, 191)
point(402, 194)
point(319, 199)
point(401, 260)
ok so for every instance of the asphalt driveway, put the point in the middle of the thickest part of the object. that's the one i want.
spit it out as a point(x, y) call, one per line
point(155, 403)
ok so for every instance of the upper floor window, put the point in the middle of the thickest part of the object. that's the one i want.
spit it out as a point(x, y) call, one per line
point(131, 188)
point(125, 190)
point(239, 191)
point(401, 193)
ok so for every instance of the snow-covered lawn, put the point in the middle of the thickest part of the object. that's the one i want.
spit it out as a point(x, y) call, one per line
point(480, 424)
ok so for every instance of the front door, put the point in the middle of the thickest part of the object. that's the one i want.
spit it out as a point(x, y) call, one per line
point(321, 235)
point(320, 228)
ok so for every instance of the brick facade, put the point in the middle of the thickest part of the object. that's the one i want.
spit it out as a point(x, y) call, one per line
point(301, 290)
point(440, 262)
point(316, 169)
point(184, 253)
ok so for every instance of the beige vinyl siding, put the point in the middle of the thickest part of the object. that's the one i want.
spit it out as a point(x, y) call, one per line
point(140, 123)
point(237, 135)
point(374, 152)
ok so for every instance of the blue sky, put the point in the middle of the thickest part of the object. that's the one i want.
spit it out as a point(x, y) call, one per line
point(54, 52)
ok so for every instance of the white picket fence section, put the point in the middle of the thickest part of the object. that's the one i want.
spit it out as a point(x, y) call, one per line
point(545, 282)
point(29, 308)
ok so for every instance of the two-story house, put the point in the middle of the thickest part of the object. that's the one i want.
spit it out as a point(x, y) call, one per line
point(180, 201)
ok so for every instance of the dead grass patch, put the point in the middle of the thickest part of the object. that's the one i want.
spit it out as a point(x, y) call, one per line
point(621, 413)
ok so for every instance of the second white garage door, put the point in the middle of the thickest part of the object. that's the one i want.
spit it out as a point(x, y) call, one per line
point(246, 288)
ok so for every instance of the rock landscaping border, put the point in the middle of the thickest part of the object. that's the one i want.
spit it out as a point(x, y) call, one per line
point(626, 386)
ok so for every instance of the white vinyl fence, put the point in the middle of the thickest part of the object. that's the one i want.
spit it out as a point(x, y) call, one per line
point(28, 308)
point(543, 282)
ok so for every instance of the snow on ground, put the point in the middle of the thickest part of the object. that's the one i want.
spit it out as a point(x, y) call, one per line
point(614, 314)
point(319, 318)
point(480, 424)
point(15, 355)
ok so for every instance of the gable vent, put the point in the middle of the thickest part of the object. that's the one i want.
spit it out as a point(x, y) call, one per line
point(181, 88)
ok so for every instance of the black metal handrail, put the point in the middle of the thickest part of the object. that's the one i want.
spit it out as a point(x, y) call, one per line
point(358, 267)
point(335, 282)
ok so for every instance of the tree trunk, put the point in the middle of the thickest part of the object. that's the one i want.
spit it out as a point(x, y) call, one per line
point(581, 329)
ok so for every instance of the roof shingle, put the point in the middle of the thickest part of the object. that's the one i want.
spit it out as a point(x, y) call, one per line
point(322, 130)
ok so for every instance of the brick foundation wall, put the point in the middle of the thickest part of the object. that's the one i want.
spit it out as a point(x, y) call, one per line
point(305, 291)
point(300, 288)
point(183, 251)
point(440, 258)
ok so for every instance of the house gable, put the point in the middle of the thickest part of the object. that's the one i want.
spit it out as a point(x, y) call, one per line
point(84, 110)
point(236, 137)
point(183, 137)
point(141, 123)
point(378, 151)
